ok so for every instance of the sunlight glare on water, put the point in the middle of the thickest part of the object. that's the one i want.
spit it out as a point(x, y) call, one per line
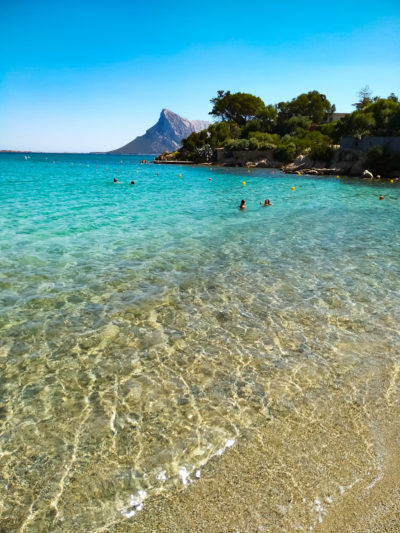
point(146, 328)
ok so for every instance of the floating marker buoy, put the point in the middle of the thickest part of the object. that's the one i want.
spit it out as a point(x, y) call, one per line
point(180, 175)
point(381, 197)
point(248, 170)
point(209, 179)
point(244, 183)
point(338, 177)
point(391, 181)
point(293, 188)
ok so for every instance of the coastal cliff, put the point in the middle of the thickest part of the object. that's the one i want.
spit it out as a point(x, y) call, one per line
point(165, 135)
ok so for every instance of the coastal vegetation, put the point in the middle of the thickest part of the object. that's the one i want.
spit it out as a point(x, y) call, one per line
point(305, 125)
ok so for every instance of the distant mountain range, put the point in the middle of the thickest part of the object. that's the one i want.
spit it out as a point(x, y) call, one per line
point(167, 134)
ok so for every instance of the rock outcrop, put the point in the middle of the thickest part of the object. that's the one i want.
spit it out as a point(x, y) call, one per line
point(367, 174)
point(166, 135)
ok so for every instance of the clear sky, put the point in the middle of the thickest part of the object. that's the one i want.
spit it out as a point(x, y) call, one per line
point(92, 75)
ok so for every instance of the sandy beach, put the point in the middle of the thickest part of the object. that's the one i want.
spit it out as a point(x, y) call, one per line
point(281, 478)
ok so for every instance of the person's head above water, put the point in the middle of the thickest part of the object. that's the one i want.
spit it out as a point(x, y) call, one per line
point(132, 183)
point(242, 204)
point(115, 180)
point(267, 202)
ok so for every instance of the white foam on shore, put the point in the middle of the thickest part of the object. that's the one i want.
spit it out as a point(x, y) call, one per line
point(229, 444)
point(135, 504)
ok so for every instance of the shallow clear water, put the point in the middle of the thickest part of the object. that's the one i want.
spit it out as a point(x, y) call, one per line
point(145, 329)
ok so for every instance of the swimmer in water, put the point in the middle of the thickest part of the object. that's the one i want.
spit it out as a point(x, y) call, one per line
point(115, 180)
point(266, 203)
point(242, 205)
point(132, 183)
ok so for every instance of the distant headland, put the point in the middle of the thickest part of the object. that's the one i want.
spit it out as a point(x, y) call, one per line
point(165, 135)
point(16, 152)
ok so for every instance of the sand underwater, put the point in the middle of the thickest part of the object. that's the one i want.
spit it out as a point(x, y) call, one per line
point(170, 364)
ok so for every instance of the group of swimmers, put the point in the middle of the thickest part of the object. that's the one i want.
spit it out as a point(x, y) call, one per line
point(116, 181)
point(243, 205)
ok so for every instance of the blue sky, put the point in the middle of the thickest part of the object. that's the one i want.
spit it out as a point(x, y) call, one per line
point(88, 76)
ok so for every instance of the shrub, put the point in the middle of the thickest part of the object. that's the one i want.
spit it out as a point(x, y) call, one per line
point(203, 154)
point(272, 138)
point(238, 144)
point(382, 161)
point(321, 152)
point(266, 146)
point(330, 130)
point(285, 152)
point(254, 144)
point(298, 121)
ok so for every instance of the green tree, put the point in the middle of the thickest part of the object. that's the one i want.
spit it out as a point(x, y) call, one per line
point(384, 110)
point(192, 143)
point(221, 131)
point(298, 121)
point(381, 117)
point(359, 124)
point(365, 98)
point(268, 117)
point(313, 105)
point(236, 107)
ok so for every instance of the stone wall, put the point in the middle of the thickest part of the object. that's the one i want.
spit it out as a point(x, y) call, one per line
point(364, 144)
point(243, 157)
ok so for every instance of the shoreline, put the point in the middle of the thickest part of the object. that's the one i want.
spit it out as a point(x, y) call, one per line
point(255, 486)
point(290, 171)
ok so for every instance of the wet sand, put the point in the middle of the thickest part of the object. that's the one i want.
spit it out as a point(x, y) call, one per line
point(289, 476)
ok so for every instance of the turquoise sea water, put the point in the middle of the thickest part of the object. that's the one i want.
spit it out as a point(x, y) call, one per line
point(144, 329)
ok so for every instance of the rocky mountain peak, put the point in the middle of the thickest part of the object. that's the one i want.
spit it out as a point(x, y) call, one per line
point(166, 134)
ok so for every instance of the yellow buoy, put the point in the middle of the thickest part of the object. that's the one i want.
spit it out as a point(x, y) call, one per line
point(248, 170)
point(293, 188)
point(180, 175)
point(137, 171)
point(391, 181)
point(244, 183)
point(338, 177)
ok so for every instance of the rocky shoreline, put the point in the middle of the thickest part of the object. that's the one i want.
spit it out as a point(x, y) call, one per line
point(350, 158)
point(288, 169)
